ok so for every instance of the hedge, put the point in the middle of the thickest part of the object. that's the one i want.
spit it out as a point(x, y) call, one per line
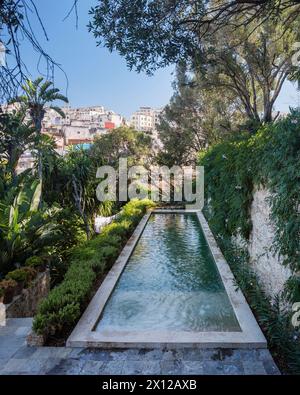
point(60, 311)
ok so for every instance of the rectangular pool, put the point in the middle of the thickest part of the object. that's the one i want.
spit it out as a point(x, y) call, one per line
point(170, 287)
point(170, 282)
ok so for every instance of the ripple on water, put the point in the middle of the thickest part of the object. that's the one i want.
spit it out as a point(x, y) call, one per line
point(170, 282)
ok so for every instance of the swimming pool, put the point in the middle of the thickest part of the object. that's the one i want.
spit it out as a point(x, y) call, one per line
point(170, 282)
point(170, 286)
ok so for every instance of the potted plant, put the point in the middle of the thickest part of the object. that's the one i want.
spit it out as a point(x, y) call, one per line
point(8, 288)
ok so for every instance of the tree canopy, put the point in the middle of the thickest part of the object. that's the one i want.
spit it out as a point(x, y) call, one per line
point(196, 116)
point(122, 142)
point(156, 33)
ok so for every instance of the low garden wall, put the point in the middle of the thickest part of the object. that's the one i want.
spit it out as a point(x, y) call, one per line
point(26, 303)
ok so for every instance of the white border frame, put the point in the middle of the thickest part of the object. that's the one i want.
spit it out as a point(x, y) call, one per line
point(84, 334)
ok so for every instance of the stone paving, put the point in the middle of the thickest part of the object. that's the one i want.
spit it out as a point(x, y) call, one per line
point(16, 358)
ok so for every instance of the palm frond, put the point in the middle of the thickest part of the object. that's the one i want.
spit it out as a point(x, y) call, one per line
point(37, 82)
point(61, 97)
point(58, 110)
point(45, 87)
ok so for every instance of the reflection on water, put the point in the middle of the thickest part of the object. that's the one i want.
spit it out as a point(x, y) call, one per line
point(170, 282)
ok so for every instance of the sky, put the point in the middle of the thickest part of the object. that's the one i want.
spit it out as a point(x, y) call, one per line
point(96, 76)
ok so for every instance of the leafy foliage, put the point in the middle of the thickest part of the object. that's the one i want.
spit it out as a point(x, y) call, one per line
point(25, 228)
point(250, 60)
point(24, 275)
point(122, 142)
point(273, 317)
point(70, 181)
point(270, 158)
point(59, 312)
point(147, 33)
point(197, 116)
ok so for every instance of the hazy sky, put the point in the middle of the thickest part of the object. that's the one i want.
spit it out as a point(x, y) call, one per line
point(97, 77)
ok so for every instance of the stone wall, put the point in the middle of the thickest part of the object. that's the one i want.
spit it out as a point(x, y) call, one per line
point(266, 264)
point(25, 304)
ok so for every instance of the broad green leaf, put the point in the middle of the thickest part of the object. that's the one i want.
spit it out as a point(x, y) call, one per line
point(36, 198)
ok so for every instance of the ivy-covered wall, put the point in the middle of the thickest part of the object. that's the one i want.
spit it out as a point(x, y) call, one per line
point(269, 159)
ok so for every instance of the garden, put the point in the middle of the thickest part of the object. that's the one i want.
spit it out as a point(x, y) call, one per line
point(235, 67)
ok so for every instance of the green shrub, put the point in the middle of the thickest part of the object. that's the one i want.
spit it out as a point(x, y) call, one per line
point(18, 275)
point(59, 312)
point(34, 262)
point(24, 275)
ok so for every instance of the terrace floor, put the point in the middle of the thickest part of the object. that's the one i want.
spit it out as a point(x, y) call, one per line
point(17, 359)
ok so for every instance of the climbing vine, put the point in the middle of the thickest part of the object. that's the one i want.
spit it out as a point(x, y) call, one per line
point(233, 168)
point(270, 158)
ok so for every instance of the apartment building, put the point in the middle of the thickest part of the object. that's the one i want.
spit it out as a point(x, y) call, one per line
point(145, 119)
point(81, 125)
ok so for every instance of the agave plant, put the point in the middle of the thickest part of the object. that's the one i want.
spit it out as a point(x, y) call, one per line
point(26, 227)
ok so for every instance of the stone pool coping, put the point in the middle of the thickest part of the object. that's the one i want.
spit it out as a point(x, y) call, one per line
point(250, 335)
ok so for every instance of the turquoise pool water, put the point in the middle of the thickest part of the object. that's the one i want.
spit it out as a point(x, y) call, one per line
point(170, 282)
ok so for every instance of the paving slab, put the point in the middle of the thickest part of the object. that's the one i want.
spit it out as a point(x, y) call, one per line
point(192, 367)
point(254, 368)
point(33, 366)
point(49, 364)
point(112, 368)
point(132, 367)
point(18, 359)
point(271, 368)
point(174, 367)
point(51, 352)
point(24, 352)
point(233, 369)
point(91, 368)
point(214, 368)
point(67, 367)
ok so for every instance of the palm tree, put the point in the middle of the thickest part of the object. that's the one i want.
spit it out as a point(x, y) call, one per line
point(16, 135)
point(37, 94)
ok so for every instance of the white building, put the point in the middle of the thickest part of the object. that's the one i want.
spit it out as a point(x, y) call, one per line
point(145, 119)
point(80, 125)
